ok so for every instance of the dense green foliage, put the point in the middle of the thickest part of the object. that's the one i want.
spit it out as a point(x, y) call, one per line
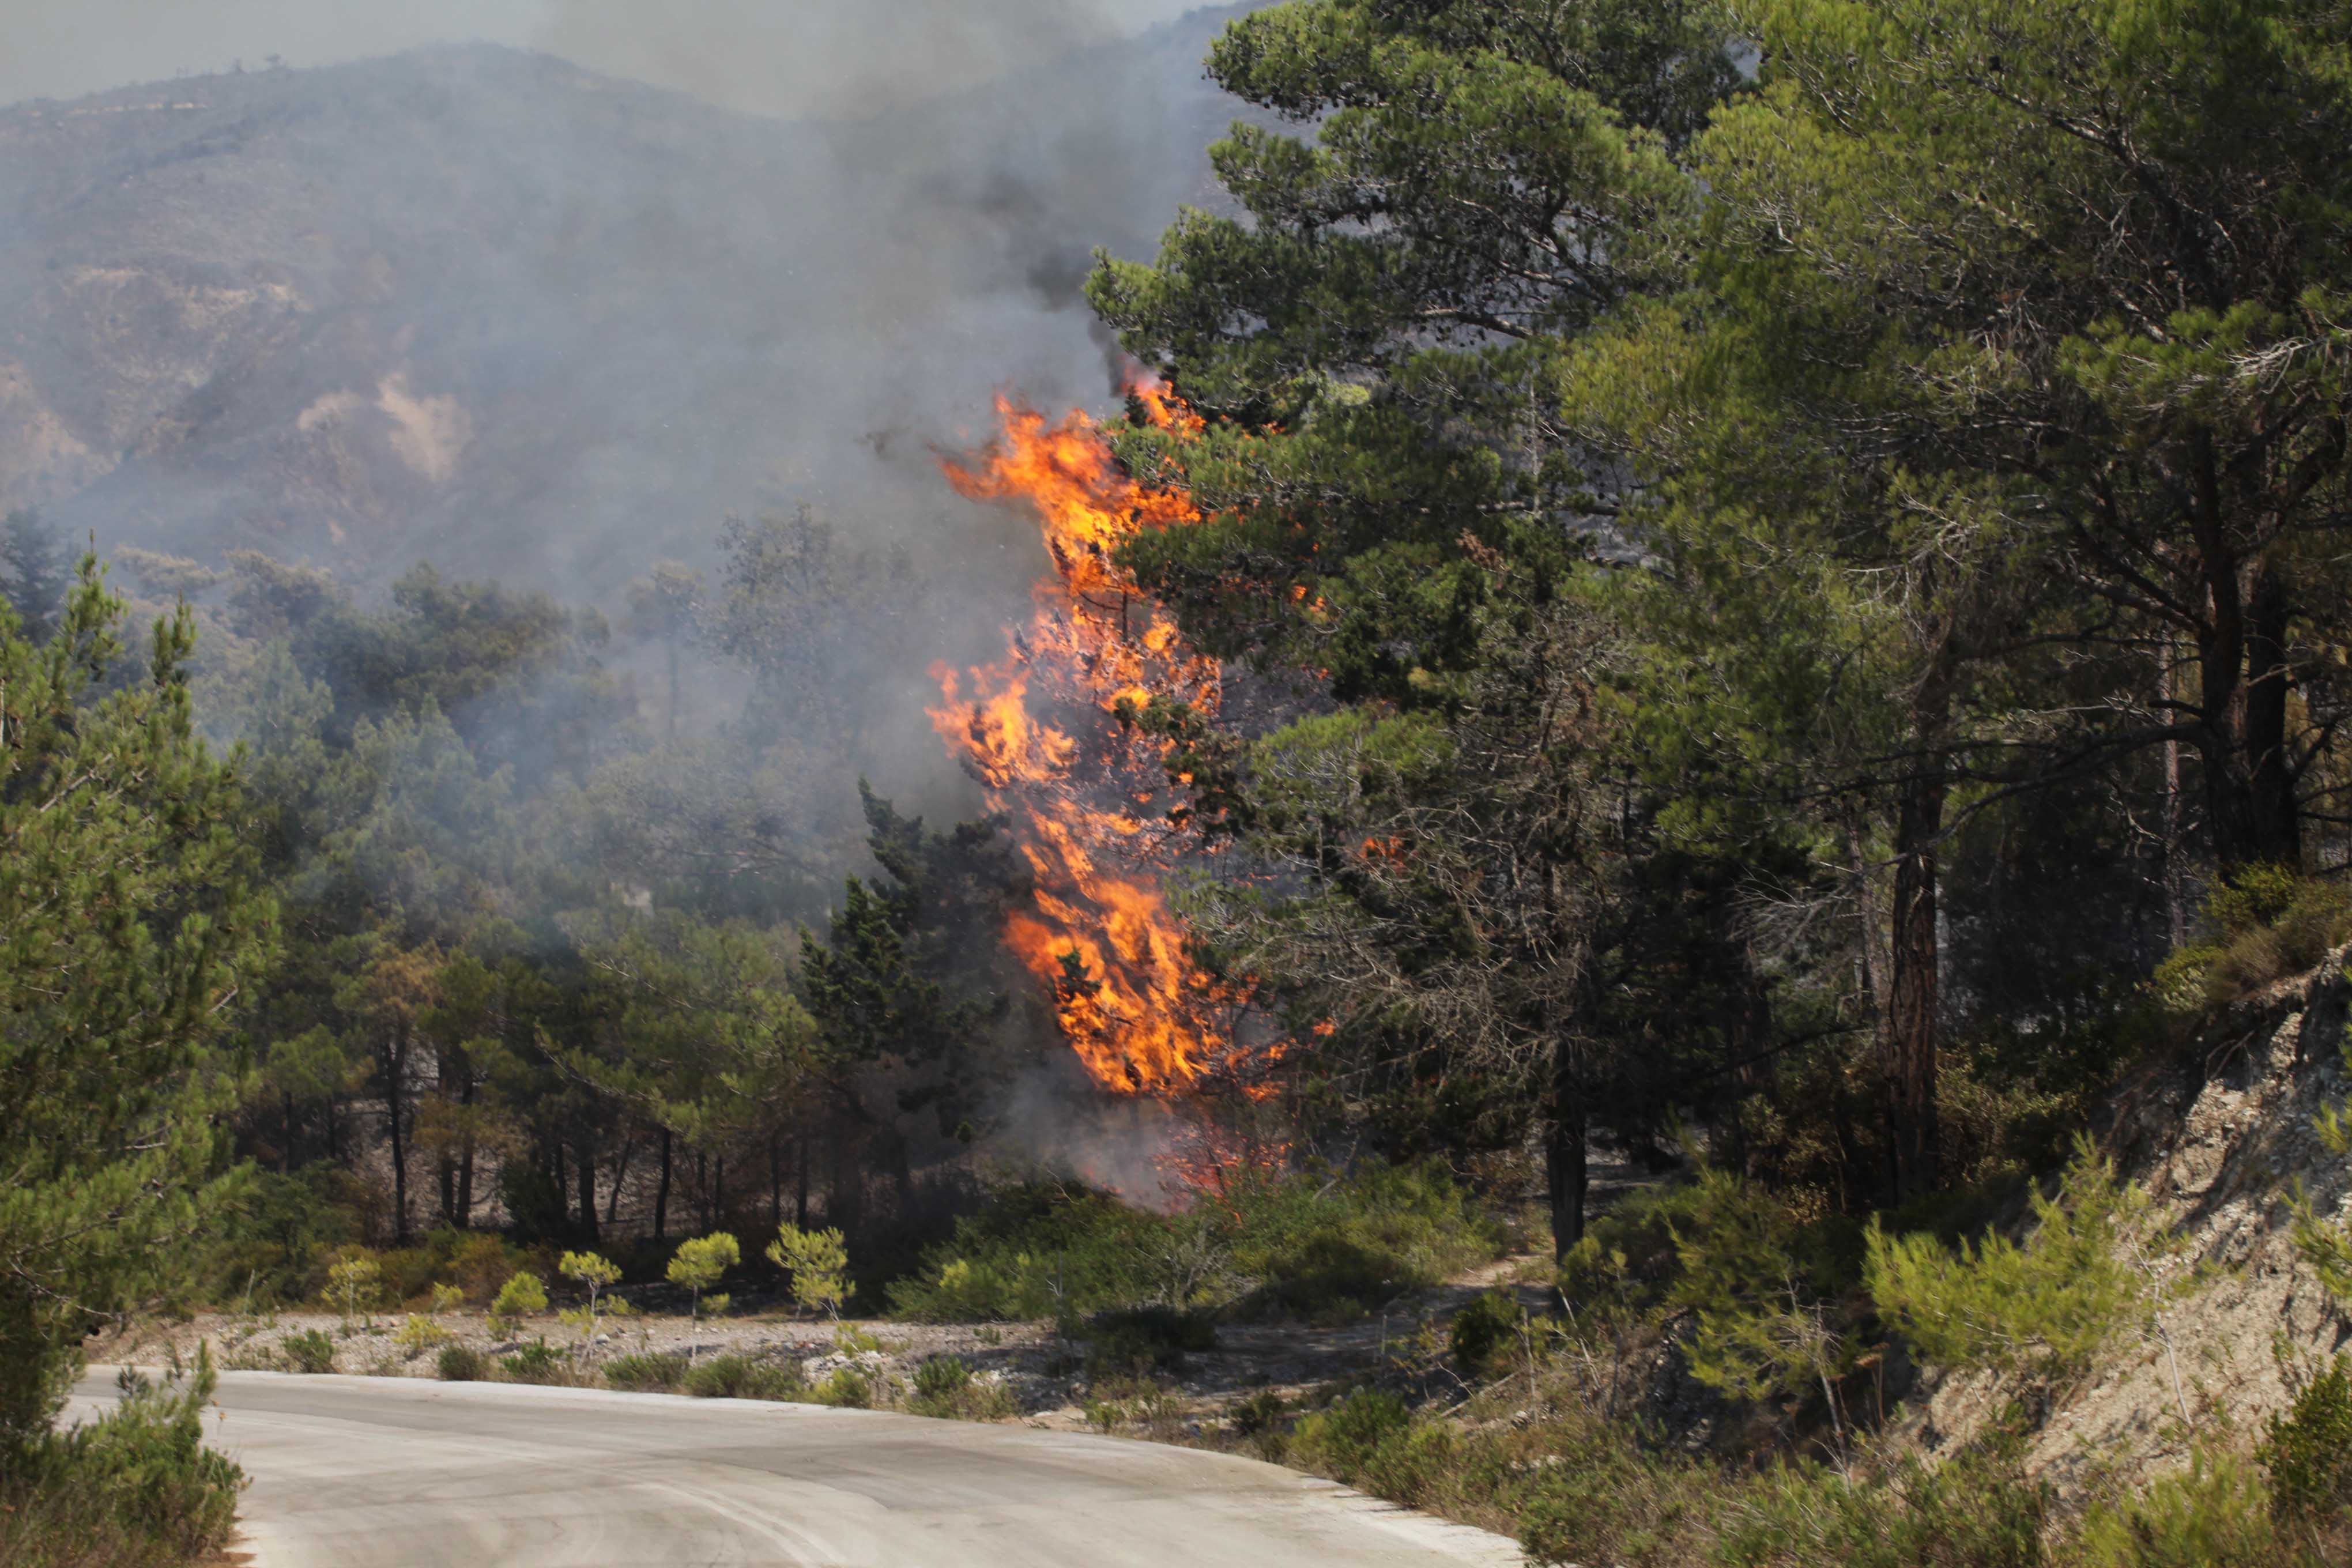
point(133, 1488)
point(132, 925)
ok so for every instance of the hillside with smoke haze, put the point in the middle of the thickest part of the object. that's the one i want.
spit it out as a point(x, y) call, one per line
point(479, 306)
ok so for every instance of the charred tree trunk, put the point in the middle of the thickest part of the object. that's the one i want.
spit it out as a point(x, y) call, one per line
point(661, 1193)
point(801, 1179)
point(1567, 1174)
point(466, 1151)
point(396, 1068)
point(620, 1174)
point(587, 1191)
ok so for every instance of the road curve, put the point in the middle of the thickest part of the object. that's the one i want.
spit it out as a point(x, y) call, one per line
point(369, 1472)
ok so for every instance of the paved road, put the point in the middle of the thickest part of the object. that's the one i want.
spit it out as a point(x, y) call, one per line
point(361, 1472)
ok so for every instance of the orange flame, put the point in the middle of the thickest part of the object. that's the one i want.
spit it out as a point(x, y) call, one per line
point(1048, 729)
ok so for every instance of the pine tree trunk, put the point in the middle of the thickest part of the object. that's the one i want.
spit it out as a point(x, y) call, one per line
point(661, 1193)
point(1911, 1034)
point(2242, 672)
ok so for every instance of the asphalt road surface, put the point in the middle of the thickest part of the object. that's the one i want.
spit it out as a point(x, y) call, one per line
point(363, 1472)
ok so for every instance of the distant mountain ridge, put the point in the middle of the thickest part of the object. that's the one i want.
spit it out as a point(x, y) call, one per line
point(480, 306)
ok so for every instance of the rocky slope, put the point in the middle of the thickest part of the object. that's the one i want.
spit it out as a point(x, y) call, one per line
point(2222, 1141)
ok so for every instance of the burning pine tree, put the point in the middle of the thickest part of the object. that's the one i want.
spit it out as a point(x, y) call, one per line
point(1050, 731)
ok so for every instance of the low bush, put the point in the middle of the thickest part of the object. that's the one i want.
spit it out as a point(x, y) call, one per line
point(946, 1388)
point(942, 1375)
point(310, 1350)
point(462, 1363)
point(2264, 923)
point(846, 1388)
point(420, 1333)
point(520, 1296)
point(741, 1377)
point(1302, 1245)
point(1977, 1510)
point(652, 1374)
point(2215, 1514)
point(134, 1488)
point(2308, 1452)
point(1262, 1420)
point(540, 1362)
point(2043, 1307)
point(1132, 1340)
point(1340, 1441)
point(1482, 1331)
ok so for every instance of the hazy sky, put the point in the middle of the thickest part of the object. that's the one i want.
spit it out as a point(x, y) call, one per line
point(786, 56)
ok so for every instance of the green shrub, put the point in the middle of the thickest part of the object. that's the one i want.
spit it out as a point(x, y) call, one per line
point(310, 1350)
point(1033, 1248)
point(1481, 1330)
point(134, 1487)
point(945, 1388)
point(1340, 1441)
point(646, 1373)
point(1131, 1341)
point(1302, 1245)
point(847, 1389)
point(523, 1294)
point(2309, 1453)
point(1262, 1420)
point(2215, 1514)
point(942, 1375)
point(742, 1377)
point(540, 1362)
point(462, 1363)
point(2044, 1307)
point(2265, 922)
point(1977, 1510)
point(420, 1332)
point(1762, 1286)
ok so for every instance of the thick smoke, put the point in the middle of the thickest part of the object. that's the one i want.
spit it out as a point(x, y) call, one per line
point(514, 312)
point(477, 306)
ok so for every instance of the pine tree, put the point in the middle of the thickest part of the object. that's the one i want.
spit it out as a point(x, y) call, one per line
point(130, 923)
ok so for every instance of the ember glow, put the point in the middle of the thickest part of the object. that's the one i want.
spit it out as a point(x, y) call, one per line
point(1047, 729)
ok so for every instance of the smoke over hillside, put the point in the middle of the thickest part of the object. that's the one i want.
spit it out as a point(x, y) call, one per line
point(485, 307)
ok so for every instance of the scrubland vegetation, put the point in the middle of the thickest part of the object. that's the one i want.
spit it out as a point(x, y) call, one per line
point(1777, 564)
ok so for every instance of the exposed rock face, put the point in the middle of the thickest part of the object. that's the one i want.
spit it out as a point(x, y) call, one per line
point(479, 306)
point(2221, 1141)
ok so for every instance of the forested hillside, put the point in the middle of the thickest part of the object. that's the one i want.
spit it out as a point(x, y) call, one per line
point(1747, 591)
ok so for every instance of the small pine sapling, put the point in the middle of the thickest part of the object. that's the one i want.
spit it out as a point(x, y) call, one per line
point(595, 1272)
point(355, 1283)
point(818, 1261)
point(521, 1295)
point(702, 1263)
